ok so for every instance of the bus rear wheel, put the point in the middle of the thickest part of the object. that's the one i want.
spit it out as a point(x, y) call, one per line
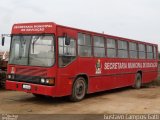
point(138, 81)
point(78, 90)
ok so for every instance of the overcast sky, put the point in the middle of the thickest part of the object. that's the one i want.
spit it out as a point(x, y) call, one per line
point(136, 19)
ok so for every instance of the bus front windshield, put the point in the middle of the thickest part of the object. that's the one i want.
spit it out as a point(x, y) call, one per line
point(32, 50)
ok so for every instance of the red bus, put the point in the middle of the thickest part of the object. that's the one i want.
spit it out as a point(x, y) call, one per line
point(54, 60)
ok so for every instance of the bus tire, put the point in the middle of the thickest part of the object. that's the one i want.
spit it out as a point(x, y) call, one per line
point(78, 90)
point(138, 81)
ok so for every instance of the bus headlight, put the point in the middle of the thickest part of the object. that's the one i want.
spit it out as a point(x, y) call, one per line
point(42, 80)
point(9, 76)
point(50, 81)
point(47, 81)
point(13, 76)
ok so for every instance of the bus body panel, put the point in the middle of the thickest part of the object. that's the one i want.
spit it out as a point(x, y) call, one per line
point(115, 78)
point(27, 72)
point(35, 89)
point(112, 73)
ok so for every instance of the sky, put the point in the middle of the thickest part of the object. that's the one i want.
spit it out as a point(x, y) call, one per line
point(134, 19)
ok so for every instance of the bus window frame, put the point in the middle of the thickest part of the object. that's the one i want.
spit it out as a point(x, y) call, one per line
point(92, 51)
point(58, 52)
point(54, 40)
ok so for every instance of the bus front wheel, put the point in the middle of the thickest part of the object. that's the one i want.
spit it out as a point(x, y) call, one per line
point(138, 81)
point(78, 90)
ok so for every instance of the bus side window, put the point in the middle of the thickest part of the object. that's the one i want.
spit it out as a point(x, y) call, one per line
point(133, 50)
point(111, 48)
point(155, 52)
point(84, 45)
point(149, 52)
point(122, 49)
point(142, 51)
point(99, 50)
point(67, 53)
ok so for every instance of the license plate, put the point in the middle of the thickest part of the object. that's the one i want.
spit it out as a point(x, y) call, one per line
point(27, 87)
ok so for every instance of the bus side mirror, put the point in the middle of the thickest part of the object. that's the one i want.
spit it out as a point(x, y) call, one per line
point(3, 40)
point(67, 40)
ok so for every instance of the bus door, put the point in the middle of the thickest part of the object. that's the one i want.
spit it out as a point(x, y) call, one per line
point(67, 64)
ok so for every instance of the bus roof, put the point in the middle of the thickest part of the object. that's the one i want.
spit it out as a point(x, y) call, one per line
point(107, 35)
point(50, 25)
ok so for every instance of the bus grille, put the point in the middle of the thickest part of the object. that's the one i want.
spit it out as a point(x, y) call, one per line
point(28, 79)
point(31, 71)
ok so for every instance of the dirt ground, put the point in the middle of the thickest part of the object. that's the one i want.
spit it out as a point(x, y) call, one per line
point(124, 100)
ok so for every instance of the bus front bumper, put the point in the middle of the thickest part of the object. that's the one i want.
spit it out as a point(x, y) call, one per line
point(30, 88)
